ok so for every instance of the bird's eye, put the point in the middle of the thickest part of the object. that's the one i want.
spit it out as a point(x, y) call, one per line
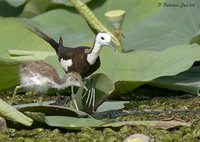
point(102, 38)
point(76, 79)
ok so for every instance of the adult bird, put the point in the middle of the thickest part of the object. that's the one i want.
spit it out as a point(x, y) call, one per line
point(39, 77)
point(83, 59)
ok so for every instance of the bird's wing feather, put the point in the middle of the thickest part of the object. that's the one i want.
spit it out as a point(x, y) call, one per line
point(42, 68)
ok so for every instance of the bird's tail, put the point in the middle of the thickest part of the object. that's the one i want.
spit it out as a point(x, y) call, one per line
point(45, 37)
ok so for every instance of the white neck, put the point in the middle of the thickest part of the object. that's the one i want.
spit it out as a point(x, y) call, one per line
point(92, 57)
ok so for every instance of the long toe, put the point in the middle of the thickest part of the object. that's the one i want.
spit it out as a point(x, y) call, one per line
point(91, 95)
point(88, 97)
point(94, 97)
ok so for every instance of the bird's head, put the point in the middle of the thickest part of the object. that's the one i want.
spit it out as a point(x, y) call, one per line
point(74, 79)
point(103, 38)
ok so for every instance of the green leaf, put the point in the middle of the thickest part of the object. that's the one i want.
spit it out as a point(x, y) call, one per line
point(23, 55)
point(74, 33)
point(7, 10)
point(51, 110)
point(16, 3)
point(103, 83)
point(16, 37)
point(188, 81)
point(36, 116)
point(111, 105)
point(146, 65)
point(10, 58)
point(35, 7)
point(72, 122)
point(8, 112)
point(141, 66)
point(152, 28)
point(168, 27)
point(9, 73)
point(65, 121)
point(137, 12)
point(62, 117)
point(154, 124)
point(103, 88)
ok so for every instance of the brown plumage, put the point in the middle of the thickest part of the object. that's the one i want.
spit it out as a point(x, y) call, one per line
point(39, 67)
point(39, 76)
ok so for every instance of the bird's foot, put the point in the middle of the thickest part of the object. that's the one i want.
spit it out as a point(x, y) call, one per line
point(91, 94)
point(62, 100)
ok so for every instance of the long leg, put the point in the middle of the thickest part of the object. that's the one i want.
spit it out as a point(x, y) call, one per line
point(41, 99)
point(14, 93)
point(73, 97)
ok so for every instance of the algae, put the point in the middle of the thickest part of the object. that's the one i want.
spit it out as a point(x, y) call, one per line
point(145, 105)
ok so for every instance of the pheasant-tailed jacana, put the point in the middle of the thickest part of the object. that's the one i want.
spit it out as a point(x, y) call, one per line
point(39, 76)
point(82, 59)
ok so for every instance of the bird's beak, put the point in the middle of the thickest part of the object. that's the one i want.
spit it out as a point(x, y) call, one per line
point(112, 46)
